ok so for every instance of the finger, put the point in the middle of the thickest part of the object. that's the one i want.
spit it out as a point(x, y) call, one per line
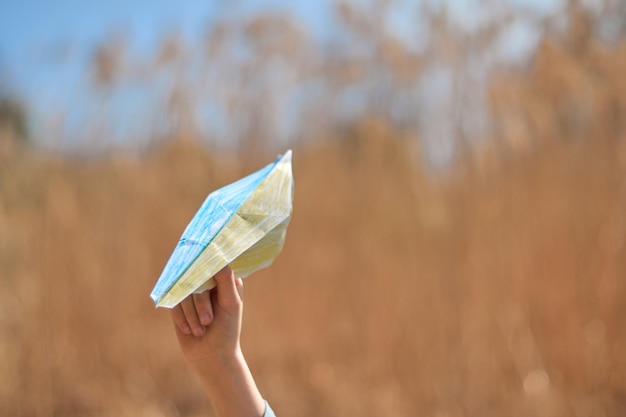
point(191, 316)
point(227, 295)
point(204, 309)
point(179, 319)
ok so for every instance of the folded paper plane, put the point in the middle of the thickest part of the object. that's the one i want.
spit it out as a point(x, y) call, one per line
point(242, 224)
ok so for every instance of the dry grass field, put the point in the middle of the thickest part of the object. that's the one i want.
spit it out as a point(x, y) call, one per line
point(497, 289)
point(395, 295)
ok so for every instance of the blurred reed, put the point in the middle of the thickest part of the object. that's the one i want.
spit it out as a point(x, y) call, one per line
point(493, 289)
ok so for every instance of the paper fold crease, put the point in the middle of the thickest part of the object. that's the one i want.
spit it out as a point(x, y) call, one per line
point(242, 224)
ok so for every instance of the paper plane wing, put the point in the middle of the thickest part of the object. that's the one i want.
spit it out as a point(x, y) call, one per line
point(242, 224)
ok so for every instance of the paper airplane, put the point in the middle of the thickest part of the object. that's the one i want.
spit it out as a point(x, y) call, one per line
point(242, 224)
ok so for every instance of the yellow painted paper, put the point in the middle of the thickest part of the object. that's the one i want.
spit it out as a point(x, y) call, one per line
point(249, 240)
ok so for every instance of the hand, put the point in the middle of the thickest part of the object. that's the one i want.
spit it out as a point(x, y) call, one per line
point(208, 325)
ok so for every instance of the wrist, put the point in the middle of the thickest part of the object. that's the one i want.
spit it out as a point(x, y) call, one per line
point(223, 360)
point(228, 381)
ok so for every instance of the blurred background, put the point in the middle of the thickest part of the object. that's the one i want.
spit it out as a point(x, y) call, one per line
point(458, 240)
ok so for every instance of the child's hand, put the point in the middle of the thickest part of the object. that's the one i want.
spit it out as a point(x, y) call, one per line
point(208, 325)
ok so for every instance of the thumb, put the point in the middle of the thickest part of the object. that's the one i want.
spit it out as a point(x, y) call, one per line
point(239, 285)
point(228, 295)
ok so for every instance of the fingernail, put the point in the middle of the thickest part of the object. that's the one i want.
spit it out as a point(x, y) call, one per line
point(205, 318)
point(198, 331)
point(185, 328)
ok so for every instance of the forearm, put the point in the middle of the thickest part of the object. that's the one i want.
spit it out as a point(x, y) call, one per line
point(231, 387)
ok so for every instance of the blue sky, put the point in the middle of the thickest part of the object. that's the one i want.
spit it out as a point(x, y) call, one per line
point(30, 29)
point(27, 25)
point(45, 46)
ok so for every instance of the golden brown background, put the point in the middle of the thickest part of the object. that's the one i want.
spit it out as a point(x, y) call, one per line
point(494, 289)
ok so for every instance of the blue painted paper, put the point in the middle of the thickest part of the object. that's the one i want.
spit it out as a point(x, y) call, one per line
point(218, 208)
